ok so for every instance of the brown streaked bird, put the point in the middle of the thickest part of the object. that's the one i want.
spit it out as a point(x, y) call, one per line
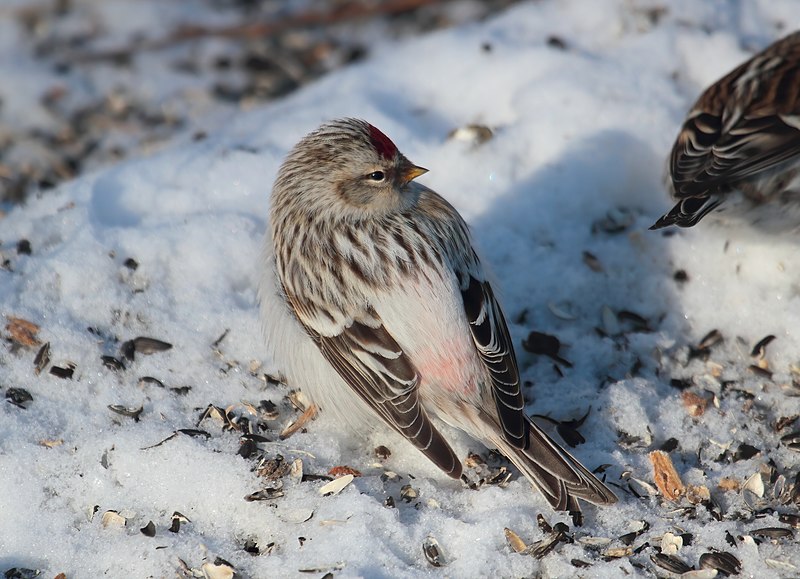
point(376, 305)
point(738, 151)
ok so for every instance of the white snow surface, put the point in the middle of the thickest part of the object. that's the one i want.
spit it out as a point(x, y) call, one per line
point(579, 132)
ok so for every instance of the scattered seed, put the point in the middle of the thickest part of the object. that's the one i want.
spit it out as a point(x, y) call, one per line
point(113, 519)
point(338, 471)
point(65, 373)
point(473, 134)
point(760, 349)
point(514, 541)
point(710, 340)
point(669, 445)
point(694, 404)
point(557, 43)
point(21, 573)
point(681, 276)
point(149, 530)
point(558, 535)
point(594, 542)
point(267, 494)
point(592, 262)
point(758, 370)
point(177, 520)
point(697, 494)
point(295, 516)
point(42, 358)
point(671, 543)
point(780, 565)
point(408, 493)
point(722, 561)
point(745, 452)
point(129, 412)
point(219, 569)
point(637, 322)
point(790, 519)
point(22, 332)
point(309, 414)
point(433, 553)
point(112, 363)
point(219, 340)
point(699, 574)
point(680, 383)
point(755, 485)
point(617, 220)
point(545, 344)
point(561, 312)
point(327, 569)
point(617, 552)
point(772, 532)
point(147, 346)
point(792, 440)
point(267, 410)
point(19, 397)
point(611, 325)
point(149, 380)
point(629, 538)
point(670, 563)
point(336, 485)
point(665, 476)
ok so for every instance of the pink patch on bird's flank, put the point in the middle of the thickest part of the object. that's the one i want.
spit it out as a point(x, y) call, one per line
point(383, 144)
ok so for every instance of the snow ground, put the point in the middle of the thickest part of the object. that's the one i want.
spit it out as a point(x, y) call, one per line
point(584, 104)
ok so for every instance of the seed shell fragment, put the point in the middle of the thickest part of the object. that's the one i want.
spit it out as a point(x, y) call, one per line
point(665, 476)
point(336, 486)
point(433, 552)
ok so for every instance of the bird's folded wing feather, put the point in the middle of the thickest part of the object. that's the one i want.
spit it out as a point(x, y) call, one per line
point(745, 123)
point(704, 158)
point(372, 363)
point(493, 342)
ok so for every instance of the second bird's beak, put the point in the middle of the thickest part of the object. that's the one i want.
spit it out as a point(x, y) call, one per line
point(412, 172)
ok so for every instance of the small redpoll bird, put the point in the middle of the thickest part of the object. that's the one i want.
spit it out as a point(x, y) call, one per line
point(739, 148)
point(377, 306)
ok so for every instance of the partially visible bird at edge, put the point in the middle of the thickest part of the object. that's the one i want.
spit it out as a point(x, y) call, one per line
point(737, 155)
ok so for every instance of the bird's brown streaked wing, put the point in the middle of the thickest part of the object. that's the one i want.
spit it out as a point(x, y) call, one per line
point(493, 342)
point(752, 146)
point(745, 123)
point(371, 362)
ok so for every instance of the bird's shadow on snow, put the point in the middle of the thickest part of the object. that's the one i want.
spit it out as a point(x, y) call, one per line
point(572, 257)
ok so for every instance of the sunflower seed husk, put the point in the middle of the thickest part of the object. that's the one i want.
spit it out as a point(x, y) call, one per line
point(433, 552)
point(755, 485)
point(773, 532)
point(336, 486)
point(670, 563)
point(149, 530)
point(722, 561)
point(113, 519)
point(42, 358)
point(219, 569)
point(514, 541)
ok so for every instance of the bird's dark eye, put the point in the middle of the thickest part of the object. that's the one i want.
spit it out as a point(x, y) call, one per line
point(377, 176)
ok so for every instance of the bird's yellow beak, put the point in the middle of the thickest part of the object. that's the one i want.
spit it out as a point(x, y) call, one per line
point(412, 172)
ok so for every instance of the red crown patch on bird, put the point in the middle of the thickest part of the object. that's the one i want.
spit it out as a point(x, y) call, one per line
point(383, 144)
